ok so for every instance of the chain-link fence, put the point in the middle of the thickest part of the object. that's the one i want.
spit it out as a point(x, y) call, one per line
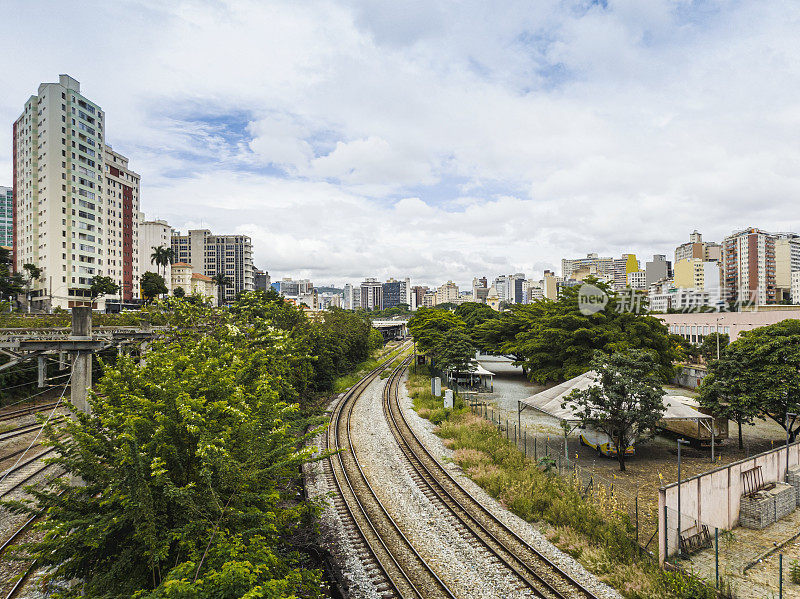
point(759, 558)
point(559, 455)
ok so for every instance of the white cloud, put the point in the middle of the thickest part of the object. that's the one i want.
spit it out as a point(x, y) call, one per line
point(437, 139)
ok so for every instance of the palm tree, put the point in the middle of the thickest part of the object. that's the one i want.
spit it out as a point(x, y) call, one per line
point(158, 257)
point(221, 281)
point(162, 256)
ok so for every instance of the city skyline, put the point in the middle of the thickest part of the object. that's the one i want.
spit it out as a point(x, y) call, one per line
point(352, 140)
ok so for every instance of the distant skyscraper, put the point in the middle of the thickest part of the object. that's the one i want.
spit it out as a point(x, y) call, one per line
point(76, 201)
point(372, 295)
point(657, 269)
point(697, 248)
point(261, 279)
point(593, 264)
point(6, 216)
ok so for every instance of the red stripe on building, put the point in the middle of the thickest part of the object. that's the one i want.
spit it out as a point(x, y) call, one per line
point(127, 243)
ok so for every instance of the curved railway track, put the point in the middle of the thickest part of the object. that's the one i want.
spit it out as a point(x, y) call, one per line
point(397, 569)
point(20, 474)
point(536, 571)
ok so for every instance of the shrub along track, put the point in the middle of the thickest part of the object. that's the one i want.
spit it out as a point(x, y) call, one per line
point(397, 569)
point(537, 572)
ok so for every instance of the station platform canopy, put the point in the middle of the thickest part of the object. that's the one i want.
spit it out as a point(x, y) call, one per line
point(549, 402)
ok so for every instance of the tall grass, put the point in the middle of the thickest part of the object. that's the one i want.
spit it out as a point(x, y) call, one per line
point(600, 536)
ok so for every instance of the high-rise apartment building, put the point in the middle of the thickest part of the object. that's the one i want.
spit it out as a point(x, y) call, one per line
point(657, 269)
point(447, 293)
point(372, 295)
point(6, 216)
point(397, 292)
point(261, 279)
point(532, 291)
point(696, 248)
point(418, 296)
point(787, 261)
point(209, 254)
point(622, 268)
point(480, 290)
point(154, 234)
point(701, 275)
point(290, 287)
point(510, 288)
point(748, 266)
point(76, 202)
point(602, 268)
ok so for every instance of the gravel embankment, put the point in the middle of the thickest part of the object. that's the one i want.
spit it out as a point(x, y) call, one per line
point(465, 566)
point(334, 537)
point(527, 531)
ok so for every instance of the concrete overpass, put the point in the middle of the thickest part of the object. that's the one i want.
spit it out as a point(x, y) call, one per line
point(391, 329)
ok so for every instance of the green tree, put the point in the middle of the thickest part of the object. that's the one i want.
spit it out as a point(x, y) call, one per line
point(428, 326)
point(709, 347)
point(445, 306)
point(474, 313)
point(103, 286)
point(758, 375)
point(455, 352)
point(188, 467)
point(152, 285)
point(555, 340)
point(162, 257)
point(179, 292)
point(11, 284)
point(627, 402)
point(31, 274)
point(442, 335)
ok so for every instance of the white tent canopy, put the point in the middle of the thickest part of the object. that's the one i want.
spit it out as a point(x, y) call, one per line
point(549, 401)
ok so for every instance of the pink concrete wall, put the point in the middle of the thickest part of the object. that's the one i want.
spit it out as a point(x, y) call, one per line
point(713, 498)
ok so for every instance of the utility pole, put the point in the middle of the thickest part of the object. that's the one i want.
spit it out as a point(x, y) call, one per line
point(81, 379)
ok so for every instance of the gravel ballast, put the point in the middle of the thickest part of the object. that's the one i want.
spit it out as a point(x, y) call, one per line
point(464, 565)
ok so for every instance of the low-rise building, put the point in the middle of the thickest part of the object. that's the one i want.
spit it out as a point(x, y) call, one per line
point(182, 275)
point(667, 296)
point(695, 326)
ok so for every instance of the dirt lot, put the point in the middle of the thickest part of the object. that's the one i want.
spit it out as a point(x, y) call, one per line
point(655, 463)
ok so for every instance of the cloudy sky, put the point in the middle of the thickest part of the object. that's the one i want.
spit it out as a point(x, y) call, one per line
point(434, 139)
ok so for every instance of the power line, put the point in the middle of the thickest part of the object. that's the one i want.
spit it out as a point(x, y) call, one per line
point(24, 453)
point(34, 395)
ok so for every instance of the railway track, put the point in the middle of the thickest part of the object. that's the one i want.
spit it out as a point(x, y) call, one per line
point(543, 577)
point(396, 568)
point(19, 475)
point(26, 411)
point(24, 430)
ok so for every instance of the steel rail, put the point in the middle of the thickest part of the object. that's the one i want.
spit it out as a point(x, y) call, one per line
point(416, 579)
point(518, 555)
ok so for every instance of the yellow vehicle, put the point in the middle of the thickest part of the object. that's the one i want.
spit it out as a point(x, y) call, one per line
point(602, 443)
